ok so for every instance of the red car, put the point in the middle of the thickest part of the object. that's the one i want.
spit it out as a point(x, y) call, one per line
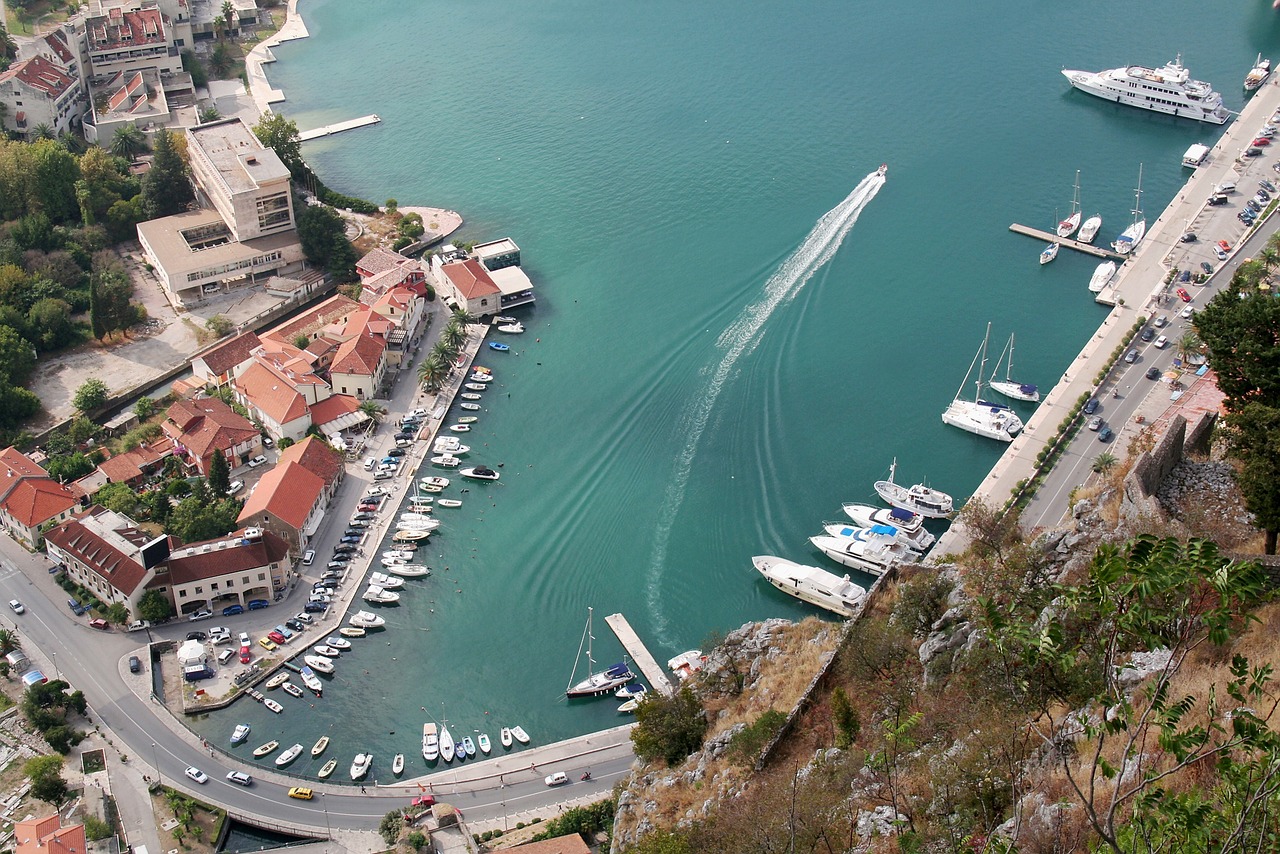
point(1183, 295)
point(1224, 246)
point(244, 654)
point(1262, 140)
point(279, 638)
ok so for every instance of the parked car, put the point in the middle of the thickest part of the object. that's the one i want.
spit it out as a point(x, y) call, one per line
point(233, 610)
point(1260, 140)
point(315, 607)
point(344, 548)
point(135, 664)
point(276, 637)
point(100, 624)
point(1207, 267)
point(303, 618)
point(402, 435)
point(257, 461)
point(1223, 245)
point(1131, 357)
point(348, 540)
point(258, 604)
point(395, 452)
point(196, 774)
point(1188, 237)
point(266, 643)
point(268, 442)
point(295, 625)
point(1183, 294)
point(1251, 151)
point(1095, 423)
point(197, 636)
point(1184, 276)
point(1222, 256)
point(361, 517)
point(202, 614)
point(1162, 342)
point(308, 556)
point(244, 638)
point(283, 630)
point(1147, 334)
point(76, 607)
point(1160, 322)
point(236, 486)
point(1268, 186)
point(1105, 434)
point(245, 654)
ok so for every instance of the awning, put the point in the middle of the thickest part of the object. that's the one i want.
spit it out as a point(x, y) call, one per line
point(345, 421)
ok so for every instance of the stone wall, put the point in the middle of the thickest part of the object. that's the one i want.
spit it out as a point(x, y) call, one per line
point(1153, 467)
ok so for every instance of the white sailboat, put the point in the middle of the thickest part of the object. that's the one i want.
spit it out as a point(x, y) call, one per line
point(1007, 386)
point(982, 417)
point(1050, 252)
point(597, 683)
point(1101, 276)
point(927, 501)
point(1129, 239)
point(1089, 230)
point(1068, 226)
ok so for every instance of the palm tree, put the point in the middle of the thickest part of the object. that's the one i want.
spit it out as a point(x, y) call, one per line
point(128, 142)
point(1188, 344)
point(454, 335)
point(72, 143)
point(1270, 256)
point(1103, 462)
point(373, 409)
point(228, 16)
point(433, 371)
point(43, 131)
point(461, 315)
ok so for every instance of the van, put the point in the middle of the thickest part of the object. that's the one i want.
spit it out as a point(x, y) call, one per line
point(1218, 199)
point(1225, 187)
point(226, 655)
point(369, 463)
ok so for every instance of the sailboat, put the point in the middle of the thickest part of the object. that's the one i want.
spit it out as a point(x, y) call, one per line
point(1050, 252)
point(992, 420)
point(1006, 386)
point(599, 683)
point(1125, 243)
point(1068, 226)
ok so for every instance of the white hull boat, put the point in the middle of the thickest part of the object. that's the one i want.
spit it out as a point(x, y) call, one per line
point(450, 446)
point(460, 428)
point(1132, 236)
point(919, 540)
point(978, 416)
point(1007, 386)
point(326, 650)
point(352, 631)
point(273, 706)
point(597, 683)
point(449, 502)
point(319, 664)
point(386, 582)
point(480, 379)
point(410, 570)
point(391, 561)
point(520, 735)
point(378, 596)
point(341, 644)
point(426, 525)
point(292, 690)
point(1101, 276)
point(1257, 75)
point(928, 502)
point(434, 482)
point(446, 461)
point(277, 680)
point(1163, 90)
point(811, 584)
point(485, 744)
point(397, 765)
point(241, 731)
point(1068, 226)
point(366, 620)
point(288, 756)
point(474, 386)
point(447, 747)
point(360, 766)
point(1050, 252)
point(1089, 230)
point(873, 550)
point(430, 742)
point(471, 395)
point(400, 555)
point(405, 535)
point(479, 473)
point(505, 737)
point(511, 328)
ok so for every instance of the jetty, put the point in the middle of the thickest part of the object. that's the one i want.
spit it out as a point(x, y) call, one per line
point(1068, 242)
point(328, 130)
point(640, 654)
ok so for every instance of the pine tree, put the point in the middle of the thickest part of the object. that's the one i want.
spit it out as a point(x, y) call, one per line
point(219, 474)
point(95, 312)
point(166, 189)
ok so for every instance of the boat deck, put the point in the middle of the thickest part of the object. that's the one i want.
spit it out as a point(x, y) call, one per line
point(640, 654)
point(1069, 243)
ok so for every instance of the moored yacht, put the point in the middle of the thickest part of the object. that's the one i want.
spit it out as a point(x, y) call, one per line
point(380, 596)
point(447, 747)
point(1089, 229)
point(386, 582)
point(597, 683)
point(1008, 386)
point(430, 742)
point(1169, 89)
point(927, 501)
point(910, 525)
point(1071, 223)
point(366, 620)
point(811, 584)
point(982, 417)
point(360, 766)
point(888, 533)
point(872, 550)
point(1101, 275)
point(1132, 236)
point(479, 473)
point(1258, 74)
point(1050, 252)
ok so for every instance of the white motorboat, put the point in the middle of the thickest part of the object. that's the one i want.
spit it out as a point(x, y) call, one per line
point(474, 386)
point(505, 737)
point(978, 416)
point(811, 584)
point(485, 744)
point(422, 503)
point(629, 692)
point(467, 746)
point(434, 482)
point(520, 735)
point(400, 555)
point(630, 706)
point(910, 526)
point(512, 328)
point(311, 680)
point(397, 765)
point(928, 502)
point(480, 379)
point(386, 582)
point(360, 766)
point(326, 650)
point(319, 664)
point(288, 756)
point(391, 561)
point(451, 446)
point(406, 535)
point(686, 663)
point(447, 747)
point(430, 742)
point(505, 319)
point(277, 680)
point(479, 473)
point(873, 550)
point(1163, 90)
point(446, 461)
point(460, 428)
point(1007, 386)
point(352, 631)
point(425, 525)
point(1068, 226)
point(241, 732)
point(1131, 236)
point(379, 596)
point(471, 395)
point(322, 743)
point(1253, 80)
point(410, 570)
point(1050, 252)
point(338, 643)
point(449, 502)
point(1101, 276)
point(292, 690)
point(598, 682)
point(1089, 229)
point(470, 407)
point(366, 620)
point(272, 705)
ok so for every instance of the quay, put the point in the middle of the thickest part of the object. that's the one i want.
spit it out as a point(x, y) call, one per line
point(327, 130)
point(1068, 242)
point(640, 654)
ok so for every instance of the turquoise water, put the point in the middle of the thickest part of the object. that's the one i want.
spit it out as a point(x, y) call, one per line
point(678, 404)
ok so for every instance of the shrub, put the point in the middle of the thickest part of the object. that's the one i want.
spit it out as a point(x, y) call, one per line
point(746, 746)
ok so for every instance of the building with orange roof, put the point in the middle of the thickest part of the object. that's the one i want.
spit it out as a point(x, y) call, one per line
point(312, 322)
point(41, 91)
point(320, 458)
point(47, 835)
point(358, 366)
point(489, 283)
point(220, 365)
point(289, 501)
point(107, 553)
point(30, 500)
point(132, 467)
point(570, 843)
point(236, 569)
point(273, 401)
point(200, 426)
point(381, 270)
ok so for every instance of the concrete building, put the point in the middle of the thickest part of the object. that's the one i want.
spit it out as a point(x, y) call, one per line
point(107, 553)
point(244, 180)
point(236, 569)
point(468, 284)
point(39, 91)
point(30, 500)
point(121, 38)
point(358, 366)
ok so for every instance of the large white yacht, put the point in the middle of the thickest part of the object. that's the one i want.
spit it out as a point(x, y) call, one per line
point(810, 584)
point(983, 417)
point(1169, 89)
point(910, 526)
point(873, 550)
point(1101, 276)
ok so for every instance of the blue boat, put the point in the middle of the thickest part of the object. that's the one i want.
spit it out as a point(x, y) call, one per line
point(499, 346)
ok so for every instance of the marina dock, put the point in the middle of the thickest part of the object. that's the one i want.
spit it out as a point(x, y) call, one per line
point(1069, 243)
point(328, 130)
point(640, 654)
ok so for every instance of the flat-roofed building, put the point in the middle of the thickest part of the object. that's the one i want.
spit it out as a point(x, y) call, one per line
point(245, 181)
point(469, 284)
point(497, 254)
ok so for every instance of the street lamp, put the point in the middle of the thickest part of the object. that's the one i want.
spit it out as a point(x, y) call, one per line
point(324, 804)
point(55, 665)
point(156, 762)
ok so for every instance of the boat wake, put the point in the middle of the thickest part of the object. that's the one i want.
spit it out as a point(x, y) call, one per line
point(737, 340)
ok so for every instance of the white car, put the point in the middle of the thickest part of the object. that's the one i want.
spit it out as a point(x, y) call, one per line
point(308, 557)
point(1161, 342)
point(244, 639)
point(557, 779)
point(236, 486)
point(196, 774)
point(1188, 312)
point(239, 778)
point(257, 461)
point(303, 617)
point(418, 413)
point(17, 606)
point(1217, 250)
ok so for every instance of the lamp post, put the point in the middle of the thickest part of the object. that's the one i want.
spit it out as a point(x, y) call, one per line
point(155, 760)
point(324, 804)
point(56, 671)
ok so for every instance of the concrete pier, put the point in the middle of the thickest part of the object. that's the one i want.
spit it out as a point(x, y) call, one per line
point(328, 130)
point(640, 654)
point(1069, 243)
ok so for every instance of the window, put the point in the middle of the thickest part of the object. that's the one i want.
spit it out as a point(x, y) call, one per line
point(213, 586)
point(344, 389)
point(199, 590)
point(182, 594)
point(244, 580)
point(231, 582)
point(262, 576)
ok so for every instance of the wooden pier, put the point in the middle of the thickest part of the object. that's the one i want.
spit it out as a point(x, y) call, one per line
point(640, 654)
point(1069, 243)
point(327, 130)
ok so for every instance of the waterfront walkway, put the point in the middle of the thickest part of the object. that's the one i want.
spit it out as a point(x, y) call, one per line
point(1135, 291)
point(259, 87)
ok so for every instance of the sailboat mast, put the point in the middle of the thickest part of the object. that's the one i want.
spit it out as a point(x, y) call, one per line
point(977, 392)
point(1137, 197)
point(591, 662)
point(1008, 368)
point(1075, 200)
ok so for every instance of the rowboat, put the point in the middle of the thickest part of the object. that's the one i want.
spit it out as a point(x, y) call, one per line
point(288, 756)
point(499, 346)
point(470, 407)
point(411, 535)
point(460, 428)
point(448, 502)
point(485, 744)
point(481, 378)
point(292, 690)
point(328, 768)
point(445, 461)
point(397, 764)
point(520, 735)
point(470, 395)
point(505, 738)
point(469, 746)
point(338, 643)
point(273, 705)
point(410, 570)
point(474, 386)
point(277, 680)
point(503, 318)
point(266, 748)
point(351, 632)
point(320, 745)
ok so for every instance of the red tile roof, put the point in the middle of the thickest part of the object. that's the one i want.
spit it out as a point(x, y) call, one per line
point(206, 423)
point(28, 493)
point(570, 843)
point(379, 260)
point(271, 393)
point(225, 356)
point(360, 356)
point(225, 560)
point(121, 570)
point(288, 492)
point(119, 29)
point(470, 278)
point(332, 408)
point(315, 455)
point(40, 74)
point(47, 836)
point(57, 42)
point(128, 466)
point(334, 308)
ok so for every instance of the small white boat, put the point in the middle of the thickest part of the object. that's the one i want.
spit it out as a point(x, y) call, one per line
point(630, 692)
point(312, 681)
point(505, 738)
point(327, 769)
point(430, 742)
point(449, 502)
point(366, 620)
point(630, 706)
point(451, 446)
point(288, 756)
point(1131, 236)
point(1071, 223)
point(485, 744)
point(447, 747)
point(474, 386)
point(326, 650)
point(414, 516)
point(468, 419)
point(1050, 252)
point(434, 482)
point(505, 319)
point(406, 534)
point(272, 705)
point(1101, 276)
point(467, 746)
point(460, 428)
point(480, 379)
point(352, 631)
point(928, 502)
point(422, 503)
point(319, 663)
point(520, 735)
point(471, 395)
point(320, 746)
point(240, 733)
point(470, 407)
point(277, 680)
point(386, 582)
point(1089, 230)
point(338, 643)
point(397, 555)
point(379, 596)
point(391, 561)
point(292, 690)
point(397, 765)
point(512, 328)
point(263, 750)
point(479, 473)
point(1007, 386)
point(410, 570)
point(446, 461)
point(360, 766)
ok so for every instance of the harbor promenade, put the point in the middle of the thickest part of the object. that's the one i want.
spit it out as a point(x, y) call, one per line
point(1136, 291)
point(259, 87)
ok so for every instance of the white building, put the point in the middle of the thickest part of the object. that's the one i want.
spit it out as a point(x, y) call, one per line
point(39, 91)
point(244, 180)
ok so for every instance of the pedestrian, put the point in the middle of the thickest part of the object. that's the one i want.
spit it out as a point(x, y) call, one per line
point(362, 791)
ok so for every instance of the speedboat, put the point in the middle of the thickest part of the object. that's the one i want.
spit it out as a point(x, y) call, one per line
point(241, 732)
point(397, 765)
point(321, 744)
point(460, 428)
point(485, 744)
point(406, 535)
point(338, 643)
point(470, 395)
point(1164, 90)
point(479, 473)
point(450, 445)
point(409, 570)
point(505, 738)
point(627, 692)
point(430, 742)
point(910, 526)
point(873, 550)
point(447, 747)
point(326, 650)
point(327, 769)
point(272, 705)
point(311, 680)
point(884, 167)
point(319, 663)
point(520, 735)
point(277, 680)
point(1253, 80)
point(811, 584)
point(1101, 275)
point(928, 502)
point(480, 379)
point(630, 706)
point(264, 749)
point(378, 596)
point(505, 319)
point(446, 461)
point(473, 386)
point(470, 407)
point(448, 502)
point(366, 620)
point(499, 346)
point(386, 582)
point(352, 631)
point(434, 482)
point(468, 746)
point(1050, 252)
point(398, 555)
point(292, 690)
point(288, 756)
point(1089, 229)
point(360, 766)
point(512, 328)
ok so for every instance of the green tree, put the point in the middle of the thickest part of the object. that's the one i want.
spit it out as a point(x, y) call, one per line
point(192, 65)
point(845, 718)
point(92, 394)
point(324, 241)
point(281, 136)
point(166, 189)
point(8, 47)
point(221, 61)
point(118, 613)
point(199, 517)
point(454, 335)
point(45, 774)
point(158, 506)
point(219, 325)
point(219, 474)
point(1243, 343)
point(1103, 462)
point(669, 728)
point(17, 404)
point(154, 606)
point(209, 114)
point(57, 171)
point(118, 497)
point(69, 468)
point(128, 142)
point(144, 408)
point(416, 840)
point(1254, 441)
point(123, 218)
point(390, 826)
point(228, 16)
point(50, 320)
point(373, 409)
point(17, 358)
point(110, 306)
point(432, 372)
